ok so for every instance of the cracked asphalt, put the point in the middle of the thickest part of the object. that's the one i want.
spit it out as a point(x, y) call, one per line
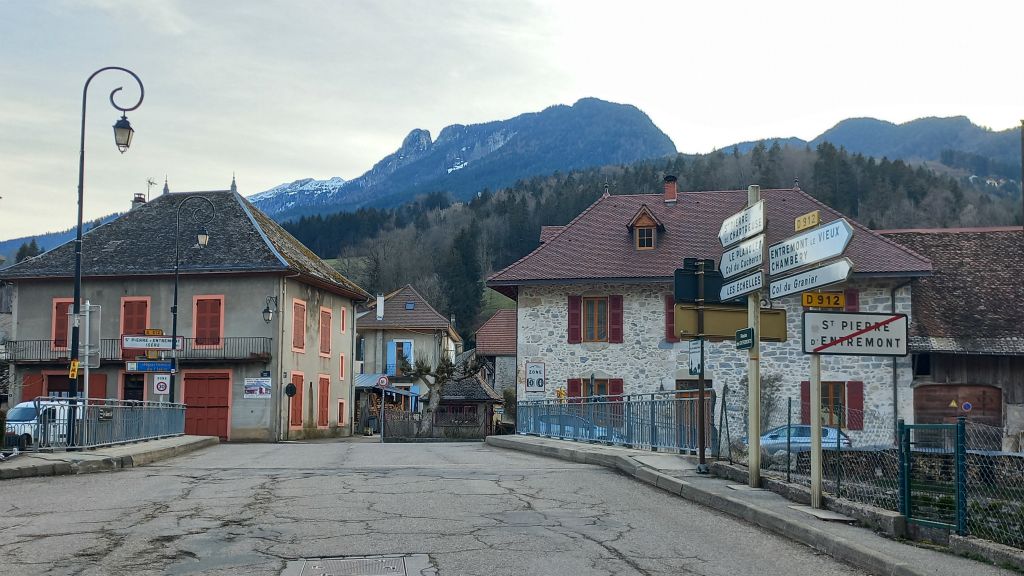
point(250, 508)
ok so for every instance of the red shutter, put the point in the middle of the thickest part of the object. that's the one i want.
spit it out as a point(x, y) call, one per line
point(575, 319)
point(855, 405)
point(852, 300)
point(207, 322)
point(299, 325)
point(615, 319)
point(60, 324)
point(31, 386)
point(97, 386)
point(322, 397)
point(133, 316)
point(805, 402)
point(574, 389)
point(325, 332)
point(670, 319)
point(295, 416)
point(615, 389)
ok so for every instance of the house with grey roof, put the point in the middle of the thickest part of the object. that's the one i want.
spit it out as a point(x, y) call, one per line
point(257, 311)
point(967, 329)
point(595, 307)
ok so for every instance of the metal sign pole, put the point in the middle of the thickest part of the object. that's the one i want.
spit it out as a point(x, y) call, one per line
point(702, 466)
point(382, 402)
point(754, 373)
point(815, 410)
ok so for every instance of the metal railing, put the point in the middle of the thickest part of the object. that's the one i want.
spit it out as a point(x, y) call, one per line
point(654, 421)
point(243, 348)
point(62, 423)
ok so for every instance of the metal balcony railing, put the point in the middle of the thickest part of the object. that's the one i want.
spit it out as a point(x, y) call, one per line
point(236, 348)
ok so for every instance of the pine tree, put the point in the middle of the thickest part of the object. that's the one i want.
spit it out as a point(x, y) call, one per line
point(28, 250)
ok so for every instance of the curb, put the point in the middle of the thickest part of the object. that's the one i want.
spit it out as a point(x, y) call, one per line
point(837, 547)
point(109, 464)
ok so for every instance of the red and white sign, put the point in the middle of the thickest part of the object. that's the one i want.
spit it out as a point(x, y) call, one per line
point(855, 334)
point(140, 342)
point(383, 381)
point(161, 383)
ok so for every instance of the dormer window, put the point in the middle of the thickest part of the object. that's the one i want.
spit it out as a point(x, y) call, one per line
point(645, 238)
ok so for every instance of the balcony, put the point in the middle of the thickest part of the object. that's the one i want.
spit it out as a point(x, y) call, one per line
point(231, 348)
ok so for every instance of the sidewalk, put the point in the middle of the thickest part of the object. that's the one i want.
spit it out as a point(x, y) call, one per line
point(86, 461)
point(840, 539)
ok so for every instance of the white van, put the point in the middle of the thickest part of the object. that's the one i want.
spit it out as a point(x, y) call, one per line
point(28, 425)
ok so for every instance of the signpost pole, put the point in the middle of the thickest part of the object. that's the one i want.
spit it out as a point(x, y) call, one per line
point(702, 466)
point(754, 373)
point(815, 410)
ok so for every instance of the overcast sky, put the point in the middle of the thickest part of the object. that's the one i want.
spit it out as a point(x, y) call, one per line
point(277, 91)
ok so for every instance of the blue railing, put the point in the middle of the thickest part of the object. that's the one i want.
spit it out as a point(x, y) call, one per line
point(653, 421)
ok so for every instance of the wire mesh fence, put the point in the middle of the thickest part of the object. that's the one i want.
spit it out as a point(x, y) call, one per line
point(995, 487)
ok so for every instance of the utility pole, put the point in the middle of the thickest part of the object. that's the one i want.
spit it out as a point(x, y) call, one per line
point(702, 466)
point(754, 372)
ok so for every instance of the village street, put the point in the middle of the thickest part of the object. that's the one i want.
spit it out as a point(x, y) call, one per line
point(471, 508)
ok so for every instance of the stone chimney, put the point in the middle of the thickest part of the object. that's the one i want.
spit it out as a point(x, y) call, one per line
point(671, 189)
point(380, 306)
point(138, 200)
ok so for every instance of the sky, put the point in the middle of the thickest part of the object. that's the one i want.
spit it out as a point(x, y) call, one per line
point(275, 91)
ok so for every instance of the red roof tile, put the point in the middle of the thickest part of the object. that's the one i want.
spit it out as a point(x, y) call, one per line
point(598, 245)
point(549, 232)
point(497, 336)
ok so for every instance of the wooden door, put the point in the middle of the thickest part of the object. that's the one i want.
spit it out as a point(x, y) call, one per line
point(207, 411)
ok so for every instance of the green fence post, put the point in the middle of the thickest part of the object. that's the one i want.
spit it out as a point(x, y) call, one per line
point(903, 447)
point(961, 475)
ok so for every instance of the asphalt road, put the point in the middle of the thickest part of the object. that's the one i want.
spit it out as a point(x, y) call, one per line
point(251, 508)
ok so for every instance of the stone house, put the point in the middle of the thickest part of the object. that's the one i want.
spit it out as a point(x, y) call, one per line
point(230, 350)
point(595, 306)
point(496, 347)
point(967, 334)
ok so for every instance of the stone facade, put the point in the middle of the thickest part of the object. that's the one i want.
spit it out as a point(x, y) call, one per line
point(648, 363)
point(504, 372)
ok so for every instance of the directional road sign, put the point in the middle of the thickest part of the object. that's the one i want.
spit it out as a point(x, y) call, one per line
point(746, 256)
point(741, 286)
point(833, 273)
point(150, 342)
point(855, 334)
point(824, 300)
point(805, 221)
point(148, 366)
point(742, 225)
point(822, 243)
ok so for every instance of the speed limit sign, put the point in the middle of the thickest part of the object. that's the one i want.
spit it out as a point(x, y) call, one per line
point(161, 383)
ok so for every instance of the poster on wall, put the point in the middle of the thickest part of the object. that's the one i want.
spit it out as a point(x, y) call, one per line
point(535, 377)
point(256, 388)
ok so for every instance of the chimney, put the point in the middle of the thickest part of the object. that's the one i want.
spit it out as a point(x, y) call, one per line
point(138, 200)
point(380, 306)
point(671, 189)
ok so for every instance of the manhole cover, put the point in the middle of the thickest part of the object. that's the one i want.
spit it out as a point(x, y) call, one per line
point(393, 565)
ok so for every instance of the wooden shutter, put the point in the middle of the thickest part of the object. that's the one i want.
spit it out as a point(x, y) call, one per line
point(325, 332)
point(207, 321)
point(97, 386)
point(670, 319)
point(322, 398)
point(575, 319)
point(295, 416)
point(31, 386)
point(852, 300)
point(615, 319)
point(299, 326)
point(133, 316)
point(574, 389)
point(615, 389)
point(60, 324)
point(805, 402)
point(855, 404)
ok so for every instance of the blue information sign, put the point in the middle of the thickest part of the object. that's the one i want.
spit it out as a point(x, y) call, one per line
point(149, 366)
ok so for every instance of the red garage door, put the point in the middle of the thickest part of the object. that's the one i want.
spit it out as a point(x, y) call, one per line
point(206, 398)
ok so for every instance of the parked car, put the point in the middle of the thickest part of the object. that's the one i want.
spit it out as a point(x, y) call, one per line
point(800, 437)
point(26, 425)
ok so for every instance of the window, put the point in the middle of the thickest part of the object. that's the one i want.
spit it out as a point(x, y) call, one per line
point(842, 404)
point(595, 319)
point(922, 364)
point(134, 315)
point(833, 401)
point(341, 320)
point(298, 326)
point(208, 320)
point(644, 238)
point(61, 309)
point(410, 305)
point(325, 332)
point(134, 387)
point(322, 397)
point(341, 367)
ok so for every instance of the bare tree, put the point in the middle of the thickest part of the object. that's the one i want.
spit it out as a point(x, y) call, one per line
point(435, 380)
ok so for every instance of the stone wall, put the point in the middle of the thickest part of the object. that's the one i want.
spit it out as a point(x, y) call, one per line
point(504, 373)
point(648, 363)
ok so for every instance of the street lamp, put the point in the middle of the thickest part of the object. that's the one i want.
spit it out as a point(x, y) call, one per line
point(202, 238)
point(268, 311)
point(123, 138)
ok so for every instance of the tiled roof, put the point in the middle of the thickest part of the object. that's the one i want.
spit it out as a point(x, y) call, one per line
point(549, 232)
point(497, 336)
point(398, 315)
point(472, 388)
point(141, 242)
point(971, 302)
point(597, 245)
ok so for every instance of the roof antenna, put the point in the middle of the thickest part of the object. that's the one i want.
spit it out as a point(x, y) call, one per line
point(796, 183)
point(150, 182)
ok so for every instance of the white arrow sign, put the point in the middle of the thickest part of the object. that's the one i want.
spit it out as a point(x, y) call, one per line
point(815, 245)
point(743, 257)
point(742, 225)
point(832, 273)
point(742, 286)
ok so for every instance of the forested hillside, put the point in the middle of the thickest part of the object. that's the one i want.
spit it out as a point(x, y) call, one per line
point(433, 241)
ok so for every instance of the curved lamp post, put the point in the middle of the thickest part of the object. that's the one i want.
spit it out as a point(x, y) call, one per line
point(123, 138)
point(202, 238)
